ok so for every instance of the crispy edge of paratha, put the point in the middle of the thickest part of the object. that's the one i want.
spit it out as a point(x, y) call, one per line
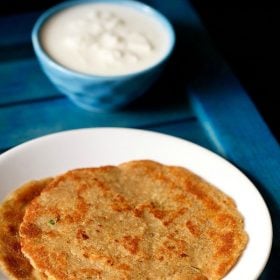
point(12, 261)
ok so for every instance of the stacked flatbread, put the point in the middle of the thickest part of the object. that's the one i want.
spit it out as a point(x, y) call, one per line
point(138, 220)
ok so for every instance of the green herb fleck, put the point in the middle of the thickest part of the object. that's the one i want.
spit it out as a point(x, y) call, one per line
point(52, 222)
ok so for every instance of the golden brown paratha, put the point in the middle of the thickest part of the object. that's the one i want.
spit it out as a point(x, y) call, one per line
point(140, 220)
point(12, 261)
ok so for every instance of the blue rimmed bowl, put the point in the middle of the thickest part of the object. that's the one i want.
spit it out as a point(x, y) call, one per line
point(100, 92)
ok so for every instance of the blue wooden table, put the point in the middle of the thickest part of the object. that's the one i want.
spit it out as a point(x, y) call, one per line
point(197, 98)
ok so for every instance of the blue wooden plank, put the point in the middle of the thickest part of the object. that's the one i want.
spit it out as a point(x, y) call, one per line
point(190, 130)
point(26, 121)
point(23, 80)
point(16, 29)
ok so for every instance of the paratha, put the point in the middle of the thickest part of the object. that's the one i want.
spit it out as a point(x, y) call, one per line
point(138, 220)
point(12, 261)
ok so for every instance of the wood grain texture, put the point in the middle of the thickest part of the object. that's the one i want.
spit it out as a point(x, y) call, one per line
point(26, 121)
point(23, 81)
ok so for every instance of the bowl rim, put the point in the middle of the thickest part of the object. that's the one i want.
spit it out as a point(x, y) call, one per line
point(142, 7)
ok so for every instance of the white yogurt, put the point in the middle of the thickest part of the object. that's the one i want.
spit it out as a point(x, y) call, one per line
point(104, 39)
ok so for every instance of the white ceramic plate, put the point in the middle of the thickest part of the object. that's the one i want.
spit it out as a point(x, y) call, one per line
point(57, 153)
